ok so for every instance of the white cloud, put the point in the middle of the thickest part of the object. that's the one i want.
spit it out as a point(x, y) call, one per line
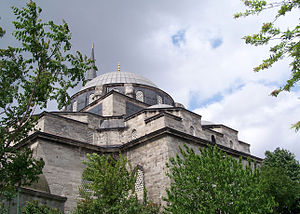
point(139, 34)
point(262, 120)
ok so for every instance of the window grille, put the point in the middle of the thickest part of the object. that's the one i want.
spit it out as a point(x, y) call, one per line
point(134, 134)
point(139, 184)
point(84, 188)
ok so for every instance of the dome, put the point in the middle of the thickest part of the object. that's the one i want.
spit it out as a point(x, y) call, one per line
point(118, 77)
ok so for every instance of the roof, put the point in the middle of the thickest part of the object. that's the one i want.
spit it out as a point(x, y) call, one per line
point(118, 77)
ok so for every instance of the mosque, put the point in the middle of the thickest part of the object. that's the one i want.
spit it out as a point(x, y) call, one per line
point(119, 112)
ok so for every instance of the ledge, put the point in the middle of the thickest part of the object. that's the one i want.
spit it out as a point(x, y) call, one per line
point(61, 117)
point(166, 131)
point(162, 114)
point(41, 194)
point(218, 126)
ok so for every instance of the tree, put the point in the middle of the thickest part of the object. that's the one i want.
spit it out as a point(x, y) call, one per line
point(110, 188)
point(284, 159)
point(287, 43)
point(35, 208)
point(214, 182)
point(281, 180)
point(39, 69)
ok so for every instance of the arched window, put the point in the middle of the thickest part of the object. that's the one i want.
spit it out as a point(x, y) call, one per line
point(192, 131)
point(213, 139)
point(75, 106)
point(91, 98)
point(159, 99)
point(231, 144)
point(139, 96)
point(139, 184)
point(133, 134)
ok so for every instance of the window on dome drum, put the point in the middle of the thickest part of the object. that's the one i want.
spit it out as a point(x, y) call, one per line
point(192, 131)
point(139, 184)
point(133, 134)
point(91, 98)
point(213, 139)
point(139, 96)
point(231, 144)
point(159, 100)
point(75, 106)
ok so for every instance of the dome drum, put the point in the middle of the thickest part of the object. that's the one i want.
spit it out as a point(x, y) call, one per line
point(129, 84)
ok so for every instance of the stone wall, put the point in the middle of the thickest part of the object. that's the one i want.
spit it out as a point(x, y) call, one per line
point(152, 157)
point(63, 169)
point(119, 104)
point(107, 106)
point(175, 142)
point(230, 137)
point(63, 127)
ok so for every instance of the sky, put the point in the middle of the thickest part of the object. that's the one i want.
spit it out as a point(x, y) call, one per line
point(191, 49)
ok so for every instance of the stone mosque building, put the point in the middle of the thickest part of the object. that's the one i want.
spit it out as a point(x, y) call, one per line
point(119, 112)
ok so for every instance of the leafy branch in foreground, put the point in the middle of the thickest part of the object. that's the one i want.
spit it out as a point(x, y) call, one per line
point(41, 68)
point(287, 41)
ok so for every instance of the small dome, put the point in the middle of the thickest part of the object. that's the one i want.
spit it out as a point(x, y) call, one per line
point(118, 77)
point(161, 106)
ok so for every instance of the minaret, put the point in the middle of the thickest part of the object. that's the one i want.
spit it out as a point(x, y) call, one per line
point(91, 74)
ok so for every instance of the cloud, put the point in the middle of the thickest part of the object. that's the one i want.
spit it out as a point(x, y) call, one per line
point(192, 50)
point(262, 120)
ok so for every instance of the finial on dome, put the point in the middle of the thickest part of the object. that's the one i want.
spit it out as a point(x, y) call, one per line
point(91, 74)
point(119, 67)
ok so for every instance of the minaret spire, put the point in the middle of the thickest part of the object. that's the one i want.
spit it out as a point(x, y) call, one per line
point(91, 74)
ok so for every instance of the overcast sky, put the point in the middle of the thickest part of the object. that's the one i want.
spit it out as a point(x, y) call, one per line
point(191, 49)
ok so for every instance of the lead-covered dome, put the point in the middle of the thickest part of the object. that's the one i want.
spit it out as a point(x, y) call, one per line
point(118, 77)
point(133, 86)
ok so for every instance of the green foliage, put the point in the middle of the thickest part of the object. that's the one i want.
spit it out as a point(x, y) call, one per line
point(214, 182)
point(287, 43)
point(3, 208)
point(39, 69)
point(110, 188)
point(281, 180)
point(23, 170)
point(282, 158)
point(35, 208)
